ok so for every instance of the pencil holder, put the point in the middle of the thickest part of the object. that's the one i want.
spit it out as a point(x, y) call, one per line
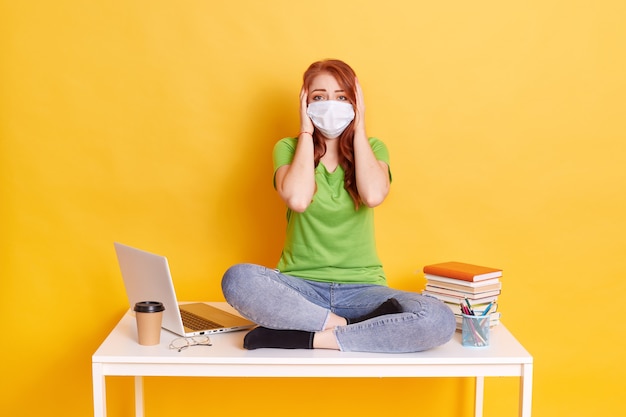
point(475, 331)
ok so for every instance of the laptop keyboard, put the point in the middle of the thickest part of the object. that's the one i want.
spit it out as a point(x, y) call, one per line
point(195, 322)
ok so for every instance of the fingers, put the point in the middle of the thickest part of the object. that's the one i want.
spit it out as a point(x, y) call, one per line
point(360, 102)
point(360, 105)
point(303, 95)
point(306, 125)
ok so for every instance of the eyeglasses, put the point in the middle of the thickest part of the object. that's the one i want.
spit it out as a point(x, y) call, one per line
point(182, 343)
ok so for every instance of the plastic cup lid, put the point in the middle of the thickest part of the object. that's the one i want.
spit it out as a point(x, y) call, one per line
point(149, 307)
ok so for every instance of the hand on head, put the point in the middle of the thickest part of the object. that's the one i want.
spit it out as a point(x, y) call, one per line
point(359, 118)
point(306, 125)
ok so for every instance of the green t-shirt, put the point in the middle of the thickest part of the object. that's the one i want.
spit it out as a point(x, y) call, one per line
point(330, 241)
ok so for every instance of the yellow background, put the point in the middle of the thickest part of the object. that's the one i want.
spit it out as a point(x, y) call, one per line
point(152, 123)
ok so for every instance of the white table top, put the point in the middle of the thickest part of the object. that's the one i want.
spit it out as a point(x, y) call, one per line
point(121, 347)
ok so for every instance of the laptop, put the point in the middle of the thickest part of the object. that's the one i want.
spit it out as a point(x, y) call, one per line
point(147, 278)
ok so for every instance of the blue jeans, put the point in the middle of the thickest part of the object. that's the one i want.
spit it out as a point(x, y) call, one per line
point(279, 301)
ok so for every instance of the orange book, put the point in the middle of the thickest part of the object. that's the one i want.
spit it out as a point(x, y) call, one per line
point(462, 271)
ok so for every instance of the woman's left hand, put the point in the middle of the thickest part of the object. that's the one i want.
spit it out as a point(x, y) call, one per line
point(359, 122)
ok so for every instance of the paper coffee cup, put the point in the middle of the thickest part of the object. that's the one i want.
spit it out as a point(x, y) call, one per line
point(149, 316)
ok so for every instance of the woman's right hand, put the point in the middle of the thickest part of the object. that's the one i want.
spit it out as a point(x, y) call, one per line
point(306, 125)
point(295, 182)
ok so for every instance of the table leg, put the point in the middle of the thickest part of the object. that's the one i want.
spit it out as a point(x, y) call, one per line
point(139, 396)
point(526, 390)
point(99, 390)
point(479, 396)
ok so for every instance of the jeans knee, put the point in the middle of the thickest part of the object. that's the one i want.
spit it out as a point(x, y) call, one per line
point(232, 281)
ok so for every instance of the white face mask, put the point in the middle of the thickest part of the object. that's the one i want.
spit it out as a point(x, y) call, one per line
point(331, 117)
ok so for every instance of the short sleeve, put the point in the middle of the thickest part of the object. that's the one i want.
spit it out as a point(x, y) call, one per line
point(283, 153)
point(381, 152)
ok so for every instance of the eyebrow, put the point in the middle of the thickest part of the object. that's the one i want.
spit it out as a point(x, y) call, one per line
point(323, 89)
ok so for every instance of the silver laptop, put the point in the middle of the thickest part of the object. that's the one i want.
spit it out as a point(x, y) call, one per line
point(147, 278)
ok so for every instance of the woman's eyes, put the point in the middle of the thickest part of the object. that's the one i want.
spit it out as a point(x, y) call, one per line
point(340, 98)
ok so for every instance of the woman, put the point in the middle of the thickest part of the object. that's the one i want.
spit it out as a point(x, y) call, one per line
point(329, 290)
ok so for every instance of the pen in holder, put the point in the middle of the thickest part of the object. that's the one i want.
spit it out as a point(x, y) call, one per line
point(475, 330)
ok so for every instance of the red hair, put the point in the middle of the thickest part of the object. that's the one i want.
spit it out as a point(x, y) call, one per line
point(346, 78)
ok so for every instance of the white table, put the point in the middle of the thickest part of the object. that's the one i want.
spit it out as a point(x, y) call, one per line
point(121, 355)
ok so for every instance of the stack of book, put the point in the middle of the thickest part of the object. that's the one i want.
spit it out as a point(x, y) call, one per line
point(457, 283)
